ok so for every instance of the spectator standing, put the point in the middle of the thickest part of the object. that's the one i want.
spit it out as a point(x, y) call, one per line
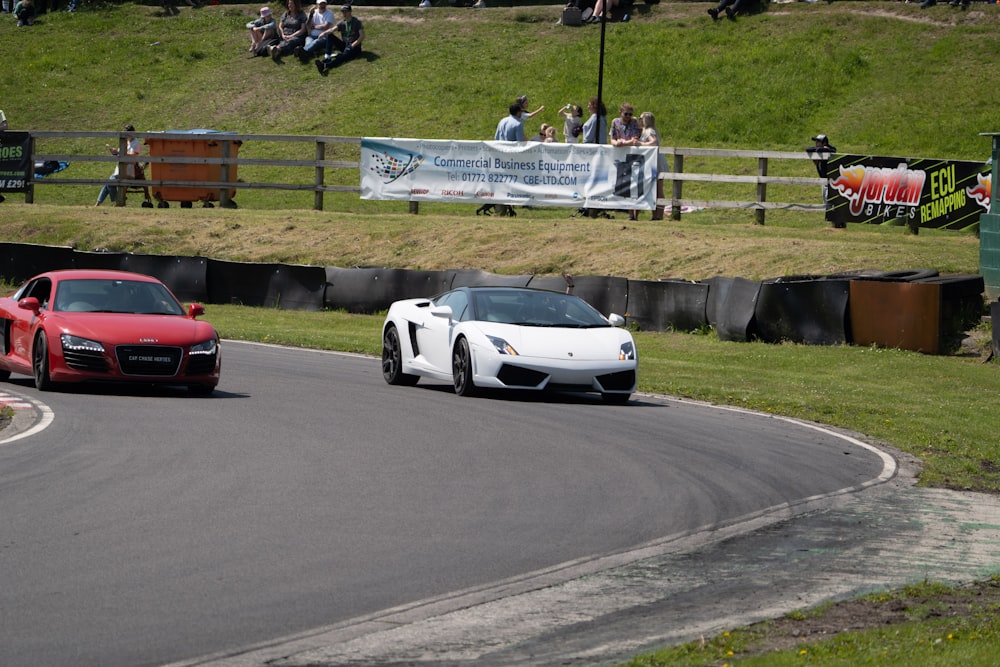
point(523, 101)
point(511, 128)
point(596, 126)
point(594, 130)
point(348, 45)
point(263, 32)
point(650, 137)
point(321, 19)
point(821, 149)
point(625, 130)
point(572, 123)
point(550, 134)
point(132, 147)
point(291, 31)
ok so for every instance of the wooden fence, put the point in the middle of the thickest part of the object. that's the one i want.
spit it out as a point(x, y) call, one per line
point(806, 188)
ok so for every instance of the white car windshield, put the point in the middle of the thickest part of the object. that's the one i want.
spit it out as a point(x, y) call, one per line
point(536, 308)
point(115, 296)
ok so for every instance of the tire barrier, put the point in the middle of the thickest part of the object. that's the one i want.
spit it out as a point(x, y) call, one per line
point(187, 277)
point(475, 277)
point(289, 287)
point(928, 314)
point(608, 295)
point(803, 309)
point(21, 261)
point(663, 305)
point(914, 310)
point(731, 307)
point(961, 308)
point(370, 290)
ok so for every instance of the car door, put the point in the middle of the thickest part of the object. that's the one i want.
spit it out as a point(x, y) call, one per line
point(435, 337)
point(23, 325)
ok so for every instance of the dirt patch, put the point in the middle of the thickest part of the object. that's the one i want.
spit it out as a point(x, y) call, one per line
point(789, 632)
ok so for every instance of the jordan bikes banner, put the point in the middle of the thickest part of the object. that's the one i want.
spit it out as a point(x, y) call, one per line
point(511, 173)
point(941, 194)
point(15, 161)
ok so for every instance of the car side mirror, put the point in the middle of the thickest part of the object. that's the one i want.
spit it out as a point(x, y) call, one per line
point(616, 320)
point(30, 303)
point(195, 309)
point(441, 311)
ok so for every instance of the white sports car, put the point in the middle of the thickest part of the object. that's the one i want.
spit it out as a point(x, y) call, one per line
point(509, 337)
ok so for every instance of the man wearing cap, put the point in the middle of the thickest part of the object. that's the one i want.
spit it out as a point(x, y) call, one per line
point(320, 20)
point(262, 32)
point(821, 151)
point(349, 44)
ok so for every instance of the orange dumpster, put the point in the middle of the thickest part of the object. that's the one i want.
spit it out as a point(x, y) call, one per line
point(199, 144)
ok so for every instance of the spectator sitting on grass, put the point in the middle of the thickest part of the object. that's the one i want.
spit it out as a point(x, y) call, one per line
point(353, 34)
point(291, 31)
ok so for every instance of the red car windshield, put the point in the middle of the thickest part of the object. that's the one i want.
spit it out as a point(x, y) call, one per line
point(115, 296)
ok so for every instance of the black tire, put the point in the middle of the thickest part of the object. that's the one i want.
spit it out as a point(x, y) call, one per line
point(201, 389)
point(616, 399)
point(4, 375)
point(392, 360)
point(461, 369)
point(163, 204)
point(40, 362)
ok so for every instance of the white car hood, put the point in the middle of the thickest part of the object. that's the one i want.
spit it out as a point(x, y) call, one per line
point(601, 343)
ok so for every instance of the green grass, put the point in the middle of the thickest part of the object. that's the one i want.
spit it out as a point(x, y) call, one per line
point(880, 78)
point(924, 624)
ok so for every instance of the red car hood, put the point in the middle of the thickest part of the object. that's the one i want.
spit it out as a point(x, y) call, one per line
point(119, 329)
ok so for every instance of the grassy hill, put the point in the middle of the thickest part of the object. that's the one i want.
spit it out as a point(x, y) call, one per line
point(878, 77)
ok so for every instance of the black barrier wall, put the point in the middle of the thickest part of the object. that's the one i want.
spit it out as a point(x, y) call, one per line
point(816, 310)
point(803, 309)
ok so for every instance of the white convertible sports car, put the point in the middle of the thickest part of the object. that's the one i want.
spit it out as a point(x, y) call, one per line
point(509, 337)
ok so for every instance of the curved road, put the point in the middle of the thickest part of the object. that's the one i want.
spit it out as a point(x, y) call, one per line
point(148, 527)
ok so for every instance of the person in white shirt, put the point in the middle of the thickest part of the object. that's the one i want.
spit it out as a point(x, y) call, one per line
point(321, 19)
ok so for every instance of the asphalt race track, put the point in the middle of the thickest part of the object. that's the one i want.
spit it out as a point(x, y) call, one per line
point(143, 527)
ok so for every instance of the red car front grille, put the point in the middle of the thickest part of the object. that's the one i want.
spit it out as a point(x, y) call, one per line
point(149, 360)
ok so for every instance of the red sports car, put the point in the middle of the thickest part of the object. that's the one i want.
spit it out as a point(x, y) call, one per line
point(81, 325)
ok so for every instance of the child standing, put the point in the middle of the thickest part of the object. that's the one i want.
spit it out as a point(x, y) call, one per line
point(573, 124)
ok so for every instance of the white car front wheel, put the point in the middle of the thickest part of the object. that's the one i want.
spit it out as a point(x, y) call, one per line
point(461, 368)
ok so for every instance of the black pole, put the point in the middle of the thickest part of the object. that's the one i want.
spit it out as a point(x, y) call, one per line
point(600, 73)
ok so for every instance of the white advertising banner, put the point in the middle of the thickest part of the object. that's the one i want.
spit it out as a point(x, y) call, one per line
point(507, 172)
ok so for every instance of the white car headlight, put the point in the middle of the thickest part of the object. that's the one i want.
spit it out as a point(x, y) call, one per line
point(77, 344)
point(627, 351)
point(502, 346)
point(206, 347)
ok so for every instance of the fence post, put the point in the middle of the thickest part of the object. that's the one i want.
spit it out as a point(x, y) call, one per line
point(122, 171)
point(225, 152)
point(29, 194)
point(320, 176)
point(676, 188)
point(414, 207)
point(761, 189)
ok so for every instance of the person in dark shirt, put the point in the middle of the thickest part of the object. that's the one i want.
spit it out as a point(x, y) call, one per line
point(348, 44)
